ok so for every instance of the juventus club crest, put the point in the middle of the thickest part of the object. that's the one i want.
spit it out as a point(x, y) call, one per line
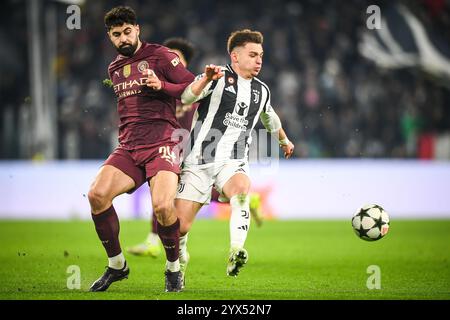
point(256, 95)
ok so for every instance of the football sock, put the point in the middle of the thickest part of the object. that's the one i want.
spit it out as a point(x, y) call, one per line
point(173, 266)
point(170, 238)
point(240, 220)
point(183, 244)
point(117, 262)
point(107, 227)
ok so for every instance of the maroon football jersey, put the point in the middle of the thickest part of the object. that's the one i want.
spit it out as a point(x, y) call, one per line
point(147, 117)
point(185, 120)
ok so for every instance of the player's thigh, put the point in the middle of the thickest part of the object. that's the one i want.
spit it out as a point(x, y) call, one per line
point(196, 183)
point(233, 178)
point(163, 188)
point(186, 211)
point(110, 182)
point(237, 184)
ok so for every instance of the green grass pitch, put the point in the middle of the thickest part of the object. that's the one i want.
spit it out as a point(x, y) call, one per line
point(289, 260)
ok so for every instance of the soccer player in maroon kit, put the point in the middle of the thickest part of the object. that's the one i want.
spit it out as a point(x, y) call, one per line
point(184, 114)
point(147, 80)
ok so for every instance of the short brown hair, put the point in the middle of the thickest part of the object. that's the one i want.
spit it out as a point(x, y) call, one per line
point(242, 37)
point(119, 16)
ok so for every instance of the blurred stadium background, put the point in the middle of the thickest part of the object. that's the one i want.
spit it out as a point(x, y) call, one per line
point(368, 110)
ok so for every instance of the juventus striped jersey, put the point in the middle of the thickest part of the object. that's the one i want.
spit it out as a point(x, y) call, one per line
point(226, 117)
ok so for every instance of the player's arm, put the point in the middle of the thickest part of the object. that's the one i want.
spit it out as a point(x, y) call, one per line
point(199, 89)
point(178, 77)
point(272, 123)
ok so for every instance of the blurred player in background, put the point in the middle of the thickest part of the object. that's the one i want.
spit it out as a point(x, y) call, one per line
point(231, 101)
point(185, 114)
point(147, 79)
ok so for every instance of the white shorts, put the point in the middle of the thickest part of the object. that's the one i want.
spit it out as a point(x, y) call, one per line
point(196, 181)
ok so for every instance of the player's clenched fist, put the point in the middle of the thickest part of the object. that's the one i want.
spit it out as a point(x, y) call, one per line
point(152, 81)
point(288, 149)
point(213, 72)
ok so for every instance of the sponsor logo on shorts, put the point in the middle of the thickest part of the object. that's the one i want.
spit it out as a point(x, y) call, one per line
point(181, 187)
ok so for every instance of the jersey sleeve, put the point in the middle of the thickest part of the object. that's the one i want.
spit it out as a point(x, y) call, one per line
point(188, 96)
point(208, 88)
point(177, 77)
point(268, 116)
point(267, 105)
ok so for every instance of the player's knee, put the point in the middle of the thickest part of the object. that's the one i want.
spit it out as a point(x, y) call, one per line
point(162, 208)
point(185, 226)
point(98, 199)
point(240, 189)
point(237, 186)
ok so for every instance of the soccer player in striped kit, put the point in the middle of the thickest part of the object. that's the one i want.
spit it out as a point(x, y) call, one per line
point(185, 113)
point(231, 100)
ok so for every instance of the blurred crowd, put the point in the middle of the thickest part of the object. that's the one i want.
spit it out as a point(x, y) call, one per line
point(331, 100)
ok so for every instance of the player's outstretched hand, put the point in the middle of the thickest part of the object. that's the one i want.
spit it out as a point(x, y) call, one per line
point(288, 149)
point(213, 72)
point(152, 81)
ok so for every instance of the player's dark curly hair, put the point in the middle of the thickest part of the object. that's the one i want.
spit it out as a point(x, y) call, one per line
point(183, 45)
point(118, 16)
point(242, 37)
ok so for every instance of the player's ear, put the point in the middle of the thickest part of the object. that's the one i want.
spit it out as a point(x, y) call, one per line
point(138, 30)
point(234, 56)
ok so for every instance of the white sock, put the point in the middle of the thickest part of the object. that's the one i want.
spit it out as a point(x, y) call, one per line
point(117, 262)
point(173, 266)
point(183, 245)
point(240, 220)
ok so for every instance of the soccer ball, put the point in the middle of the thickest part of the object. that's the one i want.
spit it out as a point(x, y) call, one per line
point(370, 222)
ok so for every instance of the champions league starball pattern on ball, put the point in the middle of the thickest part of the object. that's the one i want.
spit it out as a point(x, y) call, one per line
point(371, 222)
